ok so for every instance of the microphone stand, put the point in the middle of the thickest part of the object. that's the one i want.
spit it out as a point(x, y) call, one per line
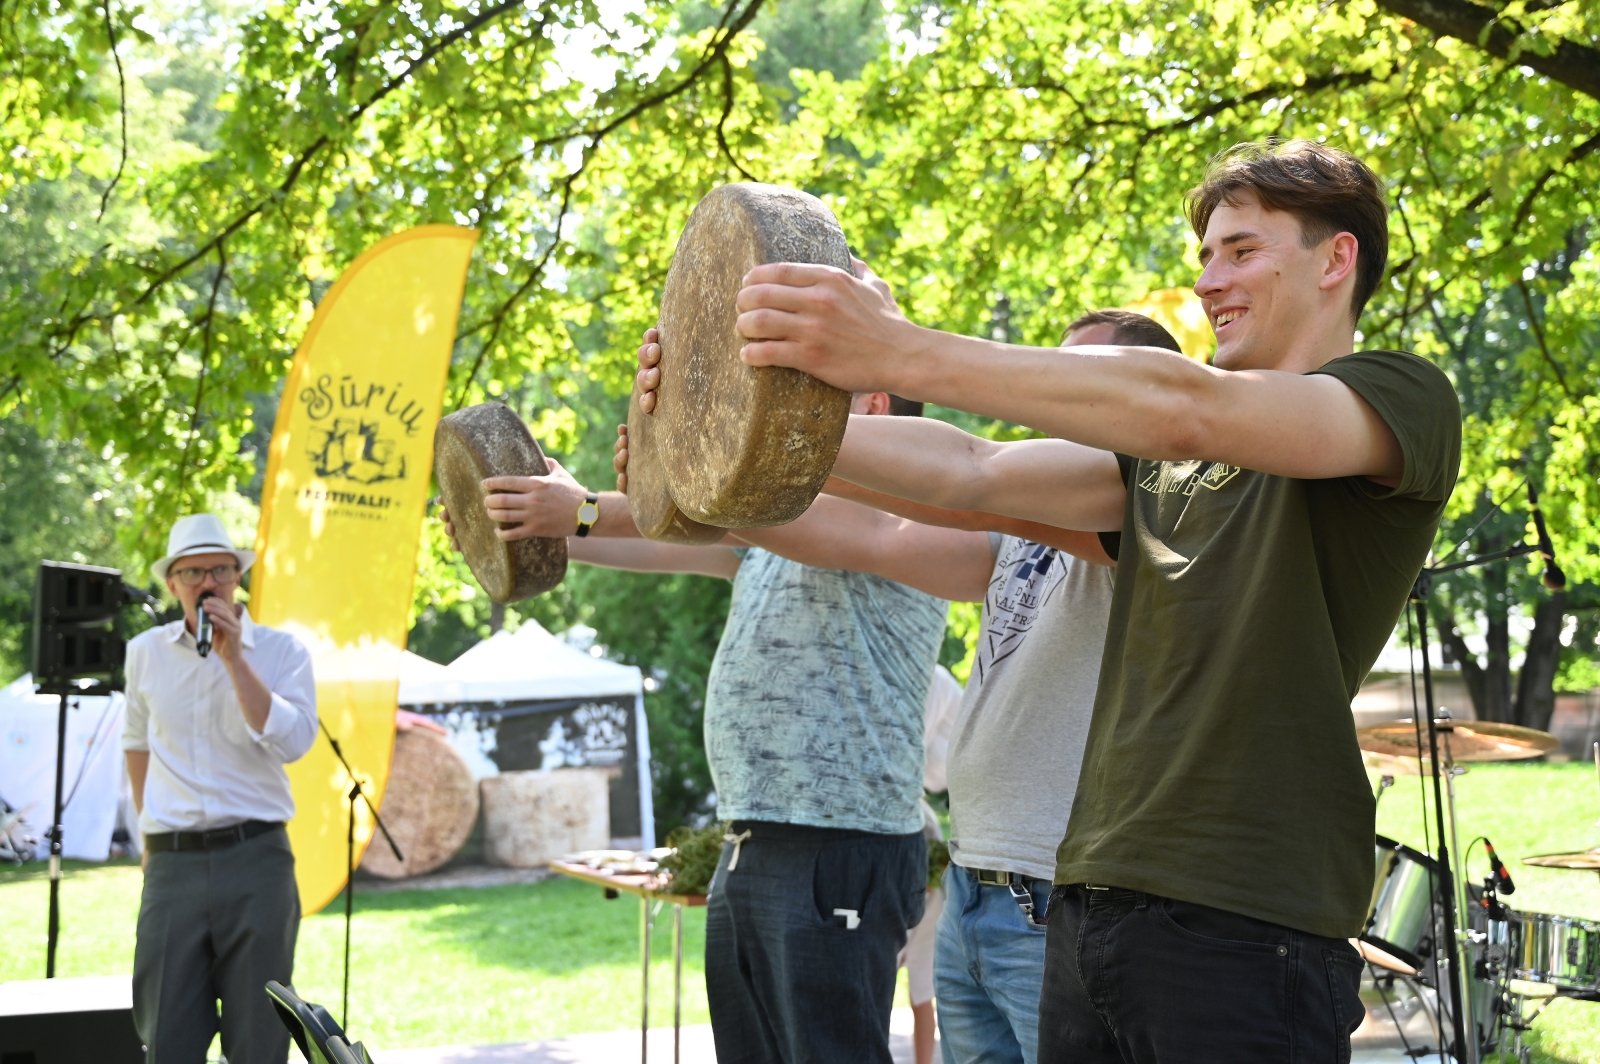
point(356, 791)
point(1465, 1050)
point(53, 927)
point(58, 813)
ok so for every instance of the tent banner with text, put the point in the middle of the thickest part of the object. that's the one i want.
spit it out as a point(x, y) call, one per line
point(346, 491)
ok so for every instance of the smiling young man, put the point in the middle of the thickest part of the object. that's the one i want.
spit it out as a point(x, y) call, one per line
point(1269, 514)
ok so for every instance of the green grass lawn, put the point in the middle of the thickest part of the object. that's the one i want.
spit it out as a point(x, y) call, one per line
point(538, 961)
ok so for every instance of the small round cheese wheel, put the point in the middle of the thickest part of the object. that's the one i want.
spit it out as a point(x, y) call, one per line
point(489, 440)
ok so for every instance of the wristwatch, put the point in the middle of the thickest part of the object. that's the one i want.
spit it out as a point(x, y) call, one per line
point(588, 513)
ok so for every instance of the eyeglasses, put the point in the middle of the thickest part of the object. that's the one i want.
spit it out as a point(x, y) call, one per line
point(191, 576)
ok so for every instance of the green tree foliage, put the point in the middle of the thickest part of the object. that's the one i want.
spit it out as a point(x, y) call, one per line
point(61, 504)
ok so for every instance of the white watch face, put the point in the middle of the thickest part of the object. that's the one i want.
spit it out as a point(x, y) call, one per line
point(588, 513)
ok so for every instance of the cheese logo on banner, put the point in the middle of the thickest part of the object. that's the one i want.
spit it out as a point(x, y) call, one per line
point(359, 432)
point(346, 491)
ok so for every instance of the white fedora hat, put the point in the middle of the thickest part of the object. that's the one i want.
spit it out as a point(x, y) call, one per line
point(199, 534)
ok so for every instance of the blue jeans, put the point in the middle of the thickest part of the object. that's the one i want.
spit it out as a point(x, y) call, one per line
point(802, 939)
point(1133, 978)
point(988, 969)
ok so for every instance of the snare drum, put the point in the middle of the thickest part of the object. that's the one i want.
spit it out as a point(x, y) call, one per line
point(1561, 951)
point(1403, 918)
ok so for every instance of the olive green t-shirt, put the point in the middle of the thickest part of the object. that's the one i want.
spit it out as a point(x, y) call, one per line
point(1222, 766)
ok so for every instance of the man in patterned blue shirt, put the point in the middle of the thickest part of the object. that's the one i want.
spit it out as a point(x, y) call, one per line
point(813, 731)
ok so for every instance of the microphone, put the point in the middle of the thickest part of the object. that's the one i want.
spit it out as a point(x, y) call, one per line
point(1501, 876)
point(202, 625)
point(1554, 578)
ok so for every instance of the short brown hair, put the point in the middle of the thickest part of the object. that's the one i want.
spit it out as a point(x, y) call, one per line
point(1329, 191)
point(1128, 328)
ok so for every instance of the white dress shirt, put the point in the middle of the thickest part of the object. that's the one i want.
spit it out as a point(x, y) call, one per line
point(208, 768)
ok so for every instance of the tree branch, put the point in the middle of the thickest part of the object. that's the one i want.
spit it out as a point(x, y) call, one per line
point(722, 120)
point(1574, 65)
point(301, 160)
point(122, 109)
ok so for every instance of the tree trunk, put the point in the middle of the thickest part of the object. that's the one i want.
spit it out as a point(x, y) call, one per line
point(1472, 674)
point(1536, 696)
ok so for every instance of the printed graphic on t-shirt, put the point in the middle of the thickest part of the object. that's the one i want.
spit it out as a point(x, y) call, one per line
point(1175, 478)
point(1024, 580)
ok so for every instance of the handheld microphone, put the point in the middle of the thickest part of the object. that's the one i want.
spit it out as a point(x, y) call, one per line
point(1501, 876)
point(1554, 578)
point(202, 624)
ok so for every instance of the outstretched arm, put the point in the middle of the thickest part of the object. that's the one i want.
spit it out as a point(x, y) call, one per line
point(837, 534)
point(548, 506)
point(1156, 404)
point(1047, 481)
point(834, 533)
point(941, 468)
point(1085, 545)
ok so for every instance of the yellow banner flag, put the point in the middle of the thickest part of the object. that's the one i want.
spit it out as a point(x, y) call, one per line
point(346, 490)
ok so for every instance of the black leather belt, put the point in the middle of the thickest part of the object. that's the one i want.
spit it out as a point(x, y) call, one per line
point(215, 839)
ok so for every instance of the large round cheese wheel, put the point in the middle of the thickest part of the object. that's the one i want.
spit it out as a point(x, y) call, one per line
point(429, 807)
point(490, 440)
point(649, 497)
point(739, 446)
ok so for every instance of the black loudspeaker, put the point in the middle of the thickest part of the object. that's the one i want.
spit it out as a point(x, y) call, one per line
point(77, 630)
point(68, 1021)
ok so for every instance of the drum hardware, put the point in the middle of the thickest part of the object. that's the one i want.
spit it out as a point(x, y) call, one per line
point(1412, 930)
point(1459, 742)
point(1583, 859)
point(1402, 1016)
point(1465, 741)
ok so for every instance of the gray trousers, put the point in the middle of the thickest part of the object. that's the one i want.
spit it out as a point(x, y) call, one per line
point(215, 926)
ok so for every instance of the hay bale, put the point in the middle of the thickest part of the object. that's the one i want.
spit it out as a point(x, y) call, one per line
point(533, 818)
point(429, 807)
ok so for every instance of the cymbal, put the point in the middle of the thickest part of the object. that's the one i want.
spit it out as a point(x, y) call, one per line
point(1587, 859)
point(1460, 740)
point(1393, 764)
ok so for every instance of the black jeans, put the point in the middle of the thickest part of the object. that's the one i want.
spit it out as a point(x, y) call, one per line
point(801, 941)
point(1133, 978)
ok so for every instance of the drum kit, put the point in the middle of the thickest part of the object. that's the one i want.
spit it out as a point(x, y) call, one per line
point(1507, 965)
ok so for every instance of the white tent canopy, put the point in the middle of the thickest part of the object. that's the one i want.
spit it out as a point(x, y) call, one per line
point(93, 779)
point(530, 664)
point(426, 683)
point(527, 667)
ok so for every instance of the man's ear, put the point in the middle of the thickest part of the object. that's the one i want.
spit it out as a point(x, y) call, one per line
point(1341, 260)
point(870, 403)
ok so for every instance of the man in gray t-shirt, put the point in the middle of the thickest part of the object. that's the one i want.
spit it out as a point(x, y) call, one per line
point(1013, 767)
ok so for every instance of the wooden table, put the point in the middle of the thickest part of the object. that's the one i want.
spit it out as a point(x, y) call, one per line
point(653, 893)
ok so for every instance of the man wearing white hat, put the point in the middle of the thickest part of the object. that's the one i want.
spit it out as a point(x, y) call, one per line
point(216, 706)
